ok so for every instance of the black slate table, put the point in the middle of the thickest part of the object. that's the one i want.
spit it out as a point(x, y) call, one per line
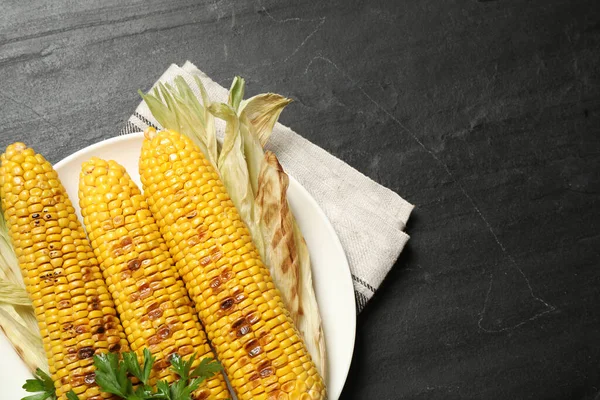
point(485, 114)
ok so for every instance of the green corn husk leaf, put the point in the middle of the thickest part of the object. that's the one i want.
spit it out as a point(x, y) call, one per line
point(26, 343)
point(236, 93)
point(209, 121)
point(263, 111)
point(234, 172)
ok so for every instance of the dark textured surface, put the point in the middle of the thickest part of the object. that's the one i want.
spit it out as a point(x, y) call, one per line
point(485, 114)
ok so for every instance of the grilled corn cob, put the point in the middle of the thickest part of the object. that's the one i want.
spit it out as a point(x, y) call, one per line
point(152, 302)
point(73, 307)
point(238, 304)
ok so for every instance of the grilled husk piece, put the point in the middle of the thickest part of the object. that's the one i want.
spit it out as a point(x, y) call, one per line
point(242, 312)
point(74, 310)
point(153, 305)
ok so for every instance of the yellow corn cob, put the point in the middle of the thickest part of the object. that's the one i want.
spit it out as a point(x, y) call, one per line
point(241, 309)
point(153, 305)
point(75, 312)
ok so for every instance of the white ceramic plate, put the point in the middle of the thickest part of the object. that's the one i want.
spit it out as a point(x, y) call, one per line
point(333, 284)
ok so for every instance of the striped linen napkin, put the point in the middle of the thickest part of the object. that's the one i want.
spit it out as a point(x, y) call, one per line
point(369, 219)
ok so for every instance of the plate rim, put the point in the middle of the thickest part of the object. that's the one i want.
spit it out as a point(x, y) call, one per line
point(297, 186)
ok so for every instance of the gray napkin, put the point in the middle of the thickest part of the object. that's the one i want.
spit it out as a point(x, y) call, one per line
point(368, 218)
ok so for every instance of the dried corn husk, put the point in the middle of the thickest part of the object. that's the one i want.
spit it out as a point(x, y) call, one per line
point(13, 294)
point(289, 257)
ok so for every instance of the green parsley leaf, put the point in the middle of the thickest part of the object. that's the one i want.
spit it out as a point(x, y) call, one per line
point(181, 367)
point(144, 392)
point(206, 369)
point(111, 375)
point(71, 395)
point(42, 384)
point(39, 396)
point(148, 362)
point(34, 385)
point(132, 364)
point(162, 391)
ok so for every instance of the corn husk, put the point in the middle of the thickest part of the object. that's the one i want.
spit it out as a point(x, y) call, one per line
point(9, 269)
point(263, 111)
point(27, 343)
point(289, 257)
point(235, 174)
point(257, 185)
point(278, 227)
point(13, 294)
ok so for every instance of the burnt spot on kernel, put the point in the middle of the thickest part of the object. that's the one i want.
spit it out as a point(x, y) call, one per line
point(237, 323)
point(114, 348)
point(77, 380)
point(204, 261)
point(226, 275)
point(252, 318)
point(215, 283)
point(163, 332)
point(192, 214)
point(201, 395)
point(90, 378)
point(266, 372)
point(154, 311)
point(161, 364)
point(239, 297)
point(94, 302)
point(254, 377)
point(155, 314)
point(253, 348)
point(134, 264)
point(85, 352)
point(227, 303)
point(194, 240)
point(216, 254)
point(202, 232)
point(82, 329)
point(144, 291)
point(154, 340)
point(61, 305)
point(244, 330)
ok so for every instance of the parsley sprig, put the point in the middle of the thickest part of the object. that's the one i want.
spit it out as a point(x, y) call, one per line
point(114, 375)
point(42, 385)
